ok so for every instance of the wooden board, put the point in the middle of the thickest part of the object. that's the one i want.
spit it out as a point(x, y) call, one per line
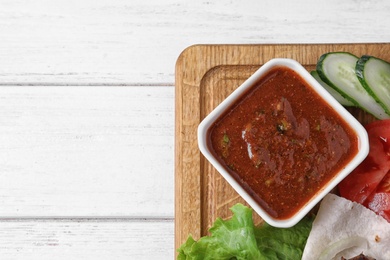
point(205, 75)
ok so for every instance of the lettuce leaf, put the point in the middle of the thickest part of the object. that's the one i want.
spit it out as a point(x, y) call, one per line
point(283, 243)
point(238, 238)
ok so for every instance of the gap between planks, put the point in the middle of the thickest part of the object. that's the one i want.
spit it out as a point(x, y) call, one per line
point(86, 219)
point(91, 84)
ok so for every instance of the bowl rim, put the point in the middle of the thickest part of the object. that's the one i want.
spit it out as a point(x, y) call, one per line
point(207, 122)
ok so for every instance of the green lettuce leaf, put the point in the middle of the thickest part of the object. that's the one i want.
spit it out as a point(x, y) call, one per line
point(283, 243)
point(238, 238)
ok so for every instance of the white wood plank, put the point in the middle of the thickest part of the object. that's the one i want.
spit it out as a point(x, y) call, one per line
point(131, 42)
point(86, 151)
point(70, 239)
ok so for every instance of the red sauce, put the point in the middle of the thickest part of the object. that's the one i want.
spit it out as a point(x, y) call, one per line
point(282, 142)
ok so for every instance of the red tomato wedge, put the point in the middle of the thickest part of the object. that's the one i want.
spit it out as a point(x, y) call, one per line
point(379, 200)
point(363, 181)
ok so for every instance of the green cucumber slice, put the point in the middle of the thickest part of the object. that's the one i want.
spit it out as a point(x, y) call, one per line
point(374, 75)
point(337, 69)
point(342, 100)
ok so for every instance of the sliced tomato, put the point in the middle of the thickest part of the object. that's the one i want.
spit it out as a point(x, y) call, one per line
point(379, 200)
point(363, 181)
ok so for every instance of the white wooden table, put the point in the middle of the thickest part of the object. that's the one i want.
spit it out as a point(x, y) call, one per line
point(87, 111)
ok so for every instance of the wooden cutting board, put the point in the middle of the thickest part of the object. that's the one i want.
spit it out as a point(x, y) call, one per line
point(205, 75)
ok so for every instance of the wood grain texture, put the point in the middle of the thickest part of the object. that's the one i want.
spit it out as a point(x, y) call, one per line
point(86, 151)
point(138, 42)
point(205, 75)
point(86, 239)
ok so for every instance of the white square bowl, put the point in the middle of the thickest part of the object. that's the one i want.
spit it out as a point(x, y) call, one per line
point(207, 123)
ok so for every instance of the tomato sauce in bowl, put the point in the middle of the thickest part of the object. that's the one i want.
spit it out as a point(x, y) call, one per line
point(280, 143)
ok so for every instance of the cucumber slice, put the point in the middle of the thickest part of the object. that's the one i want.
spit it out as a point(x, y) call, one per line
point(337, 69)
point(343, 101)
point(374, 75)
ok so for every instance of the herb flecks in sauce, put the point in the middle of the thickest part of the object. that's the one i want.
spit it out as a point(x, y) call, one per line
point(284, 141)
